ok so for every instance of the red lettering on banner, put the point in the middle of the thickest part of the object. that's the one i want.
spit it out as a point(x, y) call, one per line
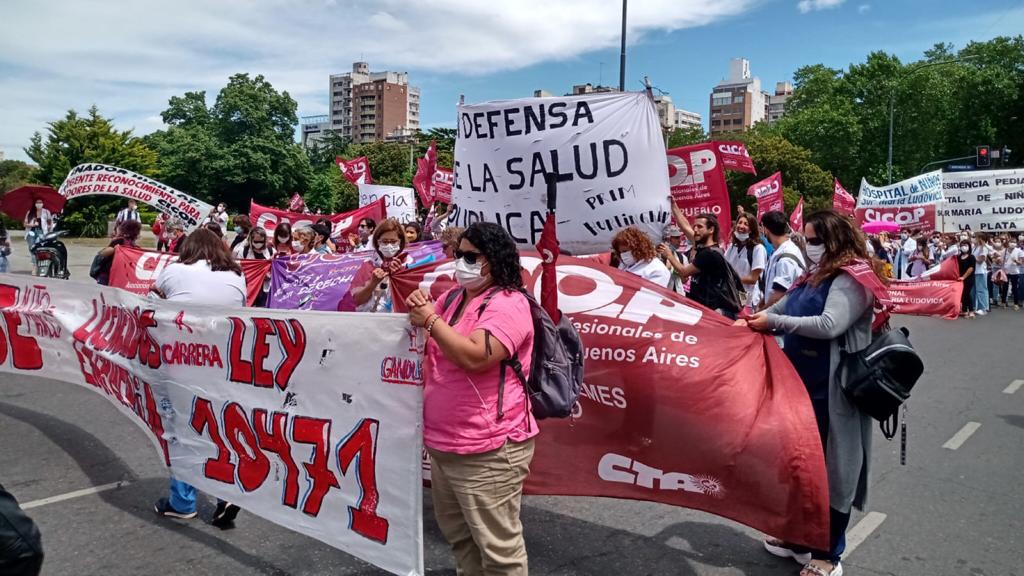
point(361, 445)
point(116, 330)
point(291, 338)
point(204, 420)
point(395, 370)
point(253, 465)
point(274, 438)
point(315, 431)
point(190, 354)
point(23, 350)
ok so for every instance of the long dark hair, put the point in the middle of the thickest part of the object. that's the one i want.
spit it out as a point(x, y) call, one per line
point(755, 232)
point(203, 244)
point(494, 242)
point(844, 244)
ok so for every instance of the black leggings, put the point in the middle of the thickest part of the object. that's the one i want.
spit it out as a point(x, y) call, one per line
point(967, 300)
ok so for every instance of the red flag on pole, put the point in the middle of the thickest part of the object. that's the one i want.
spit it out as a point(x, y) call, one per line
point(423, 180)
point(842, 201)
point(796, 219)
point(356, 171)
point(548, 249)
point(297, 204)
point(768, 193)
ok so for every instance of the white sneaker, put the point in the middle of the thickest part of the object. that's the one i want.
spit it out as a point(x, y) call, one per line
point(982, 312)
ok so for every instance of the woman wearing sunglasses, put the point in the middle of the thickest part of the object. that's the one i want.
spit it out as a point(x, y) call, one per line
point(828, 306)
point(361, 241)
point(479, 434)
point(372, 294)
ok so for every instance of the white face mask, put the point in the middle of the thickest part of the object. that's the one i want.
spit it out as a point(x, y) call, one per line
point(282, 240)
point(814, 253)
point(998, 244)
point(297, 245)
point(742, 236)
point(39, 205)
point(965, 249)
point(627, 259)
point(903, 236)
point(389, 250)
point(469, 276)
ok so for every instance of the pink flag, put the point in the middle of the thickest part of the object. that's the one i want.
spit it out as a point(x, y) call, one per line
point(842, 201)
point(296, 204)
point(442, 185)
point(734, 156)
point(424, 178)
point(356, 171)
point(768, 193)
point(796, 219)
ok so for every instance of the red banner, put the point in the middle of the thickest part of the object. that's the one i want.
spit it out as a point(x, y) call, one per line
point(442, 185)
point(842, 201)
point(697, 181)
point(796, 219)
point(679, 406)
point(136, 270)
point(939, 298)
point(769, 194)
point(423, 181)
point(921, 217)
point(734, 156)
point(296, 204)
point(356, 171)
point(341, 224)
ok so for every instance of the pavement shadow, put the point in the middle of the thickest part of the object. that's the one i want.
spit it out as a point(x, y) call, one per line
point(1013, 419)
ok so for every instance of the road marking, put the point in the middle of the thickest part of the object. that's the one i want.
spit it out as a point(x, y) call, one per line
point(1013, 387)
point(75, 494)
point(960, 437)
point(859, 533)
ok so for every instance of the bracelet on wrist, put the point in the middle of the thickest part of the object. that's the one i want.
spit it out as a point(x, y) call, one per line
point(429, 325)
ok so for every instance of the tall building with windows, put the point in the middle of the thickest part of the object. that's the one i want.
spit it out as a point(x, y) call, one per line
point(737, 103)
point(313, 129)
point(369, 106)
point(687, 119)
point(777, 101)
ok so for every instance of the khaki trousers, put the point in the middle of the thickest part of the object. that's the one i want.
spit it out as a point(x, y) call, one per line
point(476, 502)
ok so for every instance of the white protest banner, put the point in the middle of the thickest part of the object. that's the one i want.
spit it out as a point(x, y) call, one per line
point(607, 151)
point(399, 202)
point(911, 203)
point(983, 201)
point(310, 420)
point(94, 179)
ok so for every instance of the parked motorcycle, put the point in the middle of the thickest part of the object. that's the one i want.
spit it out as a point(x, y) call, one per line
point(51, 256)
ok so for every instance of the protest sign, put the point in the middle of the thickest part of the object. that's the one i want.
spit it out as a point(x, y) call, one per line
point(136, 270)
point(399, 202)
point(442, 185)
point(769, 194)
point(983, 201)
point(308, 420)
point(678, 406)
point(698, 184)
point(842, 201)
point(910, 203)
point(314, 281)
point(606, 151)
point(341, 224)
point(734, 156)
point(939, 298)
point(356, 171)
point(296, 204)
point(100, 179)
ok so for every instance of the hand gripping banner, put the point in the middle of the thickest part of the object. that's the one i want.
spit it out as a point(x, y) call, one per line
point(312, 421)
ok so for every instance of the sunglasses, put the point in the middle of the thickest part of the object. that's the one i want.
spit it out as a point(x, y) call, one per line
point(469, 257)
point(815, 241)
point(364, 227)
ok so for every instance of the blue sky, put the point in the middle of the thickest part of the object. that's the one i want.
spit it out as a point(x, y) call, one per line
point(130, 57)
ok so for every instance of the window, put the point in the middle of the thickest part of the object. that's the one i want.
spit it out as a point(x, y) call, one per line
point(723, 101)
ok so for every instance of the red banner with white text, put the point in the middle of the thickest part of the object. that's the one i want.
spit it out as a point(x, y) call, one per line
point(842, 201)
point(921, 217)
point(735, 157)
point(356, 171)
point(769, 194)
point(341, 224)
point(679, 406)
point(697, 181)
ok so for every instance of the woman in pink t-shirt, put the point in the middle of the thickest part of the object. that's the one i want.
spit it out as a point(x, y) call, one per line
point(479, 433)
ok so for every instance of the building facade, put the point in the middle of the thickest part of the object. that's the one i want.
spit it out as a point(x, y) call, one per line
point(777, 101)
point(737, 103)
point(369, 106)
point(313, 129)
point(686, 119)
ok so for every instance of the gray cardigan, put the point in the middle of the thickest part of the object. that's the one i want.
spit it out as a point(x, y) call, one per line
point(849, 311)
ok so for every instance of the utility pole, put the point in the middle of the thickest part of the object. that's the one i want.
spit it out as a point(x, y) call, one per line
point(622, 53)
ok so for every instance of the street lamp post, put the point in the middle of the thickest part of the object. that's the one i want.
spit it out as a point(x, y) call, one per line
point(892, 98)
point(622, 52)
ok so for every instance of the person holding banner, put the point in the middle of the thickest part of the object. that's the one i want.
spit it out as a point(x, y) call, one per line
point(175, 234)
point(373, 293)
point(479, 434)
point(982, 253)
point(1013, 266)
point(205, 273)
point(711, 277)
point(829, 310)
point(283, 239)
point(303, 239)
point(635, 253)
point(966, 264)
point(361, 242)
point(127, 235)
point(322, 238)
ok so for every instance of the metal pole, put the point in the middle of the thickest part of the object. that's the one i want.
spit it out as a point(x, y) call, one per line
point(892, 108)
point(622, 54)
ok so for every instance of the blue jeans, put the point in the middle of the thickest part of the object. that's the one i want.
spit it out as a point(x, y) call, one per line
point(183, 496)
point(981, 292)
point(31, 237)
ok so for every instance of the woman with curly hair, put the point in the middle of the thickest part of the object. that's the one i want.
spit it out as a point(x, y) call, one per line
point(477, 426)
point(825, 310)
point(634, 252)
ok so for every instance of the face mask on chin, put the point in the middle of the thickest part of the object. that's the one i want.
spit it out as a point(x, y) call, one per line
point(469, 276)
point(742, 236)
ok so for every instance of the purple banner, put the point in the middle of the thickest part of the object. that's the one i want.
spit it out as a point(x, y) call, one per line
point(313, 281)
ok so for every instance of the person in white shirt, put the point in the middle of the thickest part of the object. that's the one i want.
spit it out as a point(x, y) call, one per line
point(38, 223)
point(205, 273)
point(219, 216)
point(997, 270)
point(1014, 265)
point(673, 240)
point(787, 262)
point(919, 259)
point(636, 255)
point(747, 256)
point(906, 248)
point(982, 252)
point(129, 213)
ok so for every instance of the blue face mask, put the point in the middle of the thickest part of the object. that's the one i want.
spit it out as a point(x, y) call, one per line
point(238, 229)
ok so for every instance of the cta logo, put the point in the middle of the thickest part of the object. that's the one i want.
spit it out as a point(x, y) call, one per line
point(623, 470)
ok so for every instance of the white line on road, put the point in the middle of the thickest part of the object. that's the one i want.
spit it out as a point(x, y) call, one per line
point(1013, 387)
point(859, 533)
point(75, 494)
point(960, 437)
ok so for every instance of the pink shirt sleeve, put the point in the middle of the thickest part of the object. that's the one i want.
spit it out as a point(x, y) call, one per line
point(508, 319)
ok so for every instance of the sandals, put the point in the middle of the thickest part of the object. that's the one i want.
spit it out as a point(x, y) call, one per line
point(779, 548)
point(837, 570)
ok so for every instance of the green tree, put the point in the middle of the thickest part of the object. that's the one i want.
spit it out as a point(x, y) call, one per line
point(14, 173)
point(773, 153)
point(685, 137)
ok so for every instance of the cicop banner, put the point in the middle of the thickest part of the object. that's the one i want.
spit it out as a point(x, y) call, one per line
point(311, 421)
point(341, 224)
point(910, 203)
point(769, 194)
point(735, 157)
point(698, 186)
point(101, 179)
point(983, 201)
point(399, 202)
point(678, 406)
point(606, 151)
point(356, 171)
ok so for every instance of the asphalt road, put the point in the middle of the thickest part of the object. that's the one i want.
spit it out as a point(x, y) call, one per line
point(947, 512)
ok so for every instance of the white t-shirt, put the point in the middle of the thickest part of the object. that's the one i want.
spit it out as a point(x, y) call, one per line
point(783, 271)
point(917, 267)
point(197, 283)
point(981, 267)
point(1002, 255)
point(239, 252)
point(736, 256)
point(1014, 261)
point(653, 270)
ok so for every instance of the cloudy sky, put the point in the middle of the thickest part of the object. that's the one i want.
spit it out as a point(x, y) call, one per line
point(129, 57)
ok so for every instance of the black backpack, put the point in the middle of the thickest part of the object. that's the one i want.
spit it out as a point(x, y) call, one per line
point(556, 367)
point(879, 378)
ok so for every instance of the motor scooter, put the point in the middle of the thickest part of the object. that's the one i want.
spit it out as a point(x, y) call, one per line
point(51, 256)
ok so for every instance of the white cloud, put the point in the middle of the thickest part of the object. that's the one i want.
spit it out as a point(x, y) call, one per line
point(130, 57)
point(805, 6)
point(864, 8)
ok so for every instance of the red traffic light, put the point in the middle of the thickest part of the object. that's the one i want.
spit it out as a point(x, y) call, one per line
point(983, 151)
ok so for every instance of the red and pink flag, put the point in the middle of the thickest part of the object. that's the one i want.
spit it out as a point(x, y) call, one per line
point(796, 219)
point(356, 171)
point(842, 201)
point(768, 193)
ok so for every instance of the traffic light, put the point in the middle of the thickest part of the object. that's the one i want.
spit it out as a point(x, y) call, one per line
point(1004, 158)
point(983, 158)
